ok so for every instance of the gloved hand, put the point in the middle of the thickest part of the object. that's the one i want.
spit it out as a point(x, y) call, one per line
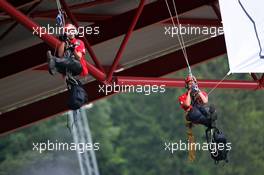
point(63, 37)
point(71, 47)
point(195, 89)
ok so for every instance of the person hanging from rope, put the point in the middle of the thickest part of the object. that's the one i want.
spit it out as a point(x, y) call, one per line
point(195, 103)
point(70, 63)
point(71, 54)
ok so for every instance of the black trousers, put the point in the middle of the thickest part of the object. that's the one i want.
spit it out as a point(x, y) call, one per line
point(199, 115)
point(70, 65)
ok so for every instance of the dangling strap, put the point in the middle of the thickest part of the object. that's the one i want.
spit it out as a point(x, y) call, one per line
point(191, 141)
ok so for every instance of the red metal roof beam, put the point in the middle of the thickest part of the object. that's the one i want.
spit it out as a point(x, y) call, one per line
point(82, 17)
point(109, 32)
point(168, 82)
point(72, 7)
point(4, 34)
point(24, 20)
point(23, 6)
point(49, 39)
point(125, 40)
point(196, 22)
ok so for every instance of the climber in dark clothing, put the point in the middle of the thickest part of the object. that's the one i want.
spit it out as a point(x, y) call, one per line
point(71, 53)
point(195, 103)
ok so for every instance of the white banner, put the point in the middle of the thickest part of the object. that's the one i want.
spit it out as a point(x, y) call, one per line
point(243, 22)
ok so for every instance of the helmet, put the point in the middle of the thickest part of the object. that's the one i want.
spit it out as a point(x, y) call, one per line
point(70, 29)
point(190, 78)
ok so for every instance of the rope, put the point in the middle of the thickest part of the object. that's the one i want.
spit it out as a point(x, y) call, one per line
point(180, 38)
point(58, 5)
point(219, 83)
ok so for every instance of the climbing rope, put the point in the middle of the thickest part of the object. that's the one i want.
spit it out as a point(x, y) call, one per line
point(180, 37)
point(183, 47)
point(219, 83)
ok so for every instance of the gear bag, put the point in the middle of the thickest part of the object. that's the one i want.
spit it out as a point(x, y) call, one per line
point(77, 96)
point(213, 135)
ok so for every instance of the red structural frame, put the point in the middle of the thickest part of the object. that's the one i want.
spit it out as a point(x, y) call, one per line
point(197, 22)
point(125, 41)
point(146, 73)
point(226, 84)
point(8, 65)
point(53, 12)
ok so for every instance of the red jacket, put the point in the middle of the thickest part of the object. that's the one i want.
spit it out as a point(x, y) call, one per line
point(81, 48)
point(182, 99)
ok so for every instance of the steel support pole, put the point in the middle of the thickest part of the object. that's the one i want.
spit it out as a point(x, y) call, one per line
point(50, 40)
point(87, 44)
point(125, 40)
point(227, 84)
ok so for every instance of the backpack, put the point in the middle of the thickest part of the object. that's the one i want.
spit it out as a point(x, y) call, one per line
point(218, 137)
point(77, 96)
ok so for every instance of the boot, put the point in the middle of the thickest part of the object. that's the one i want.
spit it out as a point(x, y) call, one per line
point(51, 63)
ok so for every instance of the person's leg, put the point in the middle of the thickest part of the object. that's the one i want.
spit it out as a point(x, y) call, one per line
point(51, 63)
point(194, 115)
point(74, 67)
point(63, 65)
point(209, 115)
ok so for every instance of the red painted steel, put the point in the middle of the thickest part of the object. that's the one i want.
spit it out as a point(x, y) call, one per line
point(168, 82)
point(125, 41)
point(8, 65)
point(197, 22)
point(53, 12)
point(24, 20)
point(51, 40)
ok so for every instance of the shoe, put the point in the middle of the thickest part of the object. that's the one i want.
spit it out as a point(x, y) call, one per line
point(51, 63)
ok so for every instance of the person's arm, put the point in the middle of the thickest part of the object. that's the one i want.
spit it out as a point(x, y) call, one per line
point(203, 97)
point(188, 100)
point(78, 55)
point(79, 50)
point(61, 49)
